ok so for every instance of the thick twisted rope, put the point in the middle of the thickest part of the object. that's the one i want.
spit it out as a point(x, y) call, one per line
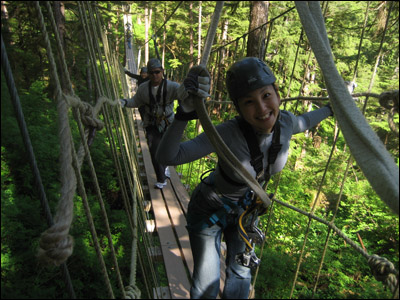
point(368, 150)
point(32, 160)
point(56, 245)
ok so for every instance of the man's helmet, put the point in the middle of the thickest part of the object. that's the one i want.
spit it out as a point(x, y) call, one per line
point(143, 70)
point(247, 75)
point(153, 63)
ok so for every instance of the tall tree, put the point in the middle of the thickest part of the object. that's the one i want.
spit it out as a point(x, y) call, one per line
point(221, 64)
point(147, 22)
point(191, 33)
point(164, 34)
point(258, 16)
point(199, 36)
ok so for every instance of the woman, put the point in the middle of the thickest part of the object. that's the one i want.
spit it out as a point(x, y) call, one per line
point(251, 87)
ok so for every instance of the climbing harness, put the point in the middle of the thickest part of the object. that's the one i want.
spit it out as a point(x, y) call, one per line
point(253, 206)
point(219, 217)
point(156, 118)
point(251, 203)
point(256, 155)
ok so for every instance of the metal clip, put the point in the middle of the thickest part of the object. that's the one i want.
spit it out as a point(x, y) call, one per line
point(248, 259)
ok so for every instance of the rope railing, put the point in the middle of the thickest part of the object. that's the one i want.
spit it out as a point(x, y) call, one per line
point(85, 116)
point(32, 160)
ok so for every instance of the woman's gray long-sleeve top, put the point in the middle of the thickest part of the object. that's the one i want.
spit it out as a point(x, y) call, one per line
point(172, 152)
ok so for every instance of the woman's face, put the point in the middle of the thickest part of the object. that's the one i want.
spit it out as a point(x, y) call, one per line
point(260, 108)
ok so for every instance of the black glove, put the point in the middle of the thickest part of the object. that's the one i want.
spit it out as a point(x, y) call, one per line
point(183, 116)
point(196, 85)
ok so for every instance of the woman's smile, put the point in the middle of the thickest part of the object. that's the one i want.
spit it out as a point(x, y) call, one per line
point(260, 108)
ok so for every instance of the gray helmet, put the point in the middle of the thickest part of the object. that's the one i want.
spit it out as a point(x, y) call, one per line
point(247, 75)
point(153, 63)
point(143, 70)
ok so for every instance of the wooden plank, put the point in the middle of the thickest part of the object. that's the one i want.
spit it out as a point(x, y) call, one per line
point(176, 273)
point(156, 253)
point(161, 293)
point(183, 197)
point(173, 212)
point(180, 191)
point(179, 222)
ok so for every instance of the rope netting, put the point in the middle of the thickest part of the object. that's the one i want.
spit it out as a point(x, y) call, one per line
point(56, 245)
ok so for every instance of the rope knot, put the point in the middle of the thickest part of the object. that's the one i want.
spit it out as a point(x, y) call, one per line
point(132, 292)
point(383, 270)
point(55, 245)
point(86, 111)
point(390, 100)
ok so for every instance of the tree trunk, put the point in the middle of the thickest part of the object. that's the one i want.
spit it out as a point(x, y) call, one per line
point(164, 35)
point(221, 64)
point(5, 29)
point(258, 16)
point(191, 34)
point(147, 22)
point(199, 34)
point(59, 15)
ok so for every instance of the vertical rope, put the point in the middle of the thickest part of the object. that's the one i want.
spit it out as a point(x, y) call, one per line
point(329, 229)
point(312, 211)
point(56, 244)
point(366, 147)
point(92, 228)
point(32, 160)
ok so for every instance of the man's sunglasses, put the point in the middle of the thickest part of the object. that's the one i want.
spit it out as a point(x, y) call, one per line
point(154, 72)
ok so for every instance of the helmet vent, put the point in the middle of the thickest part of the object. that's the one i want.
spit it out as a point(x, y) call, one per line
point(251, 80)
point(266, 71)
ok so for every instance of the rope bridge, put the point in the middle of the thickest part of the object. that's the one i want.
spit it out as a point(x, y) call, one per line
point(146, 208)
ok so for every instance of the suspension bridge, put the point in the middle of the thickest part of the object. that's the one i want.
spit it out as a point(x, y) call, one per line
point(156, 217)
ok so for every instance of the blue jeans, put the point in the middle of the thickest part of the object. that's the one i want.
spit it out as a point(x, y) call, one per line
point(206, 249)
point(154, 136)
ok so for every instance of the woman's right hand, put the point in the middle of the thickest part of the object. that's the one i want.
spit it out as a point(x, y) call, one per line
point(196, 85)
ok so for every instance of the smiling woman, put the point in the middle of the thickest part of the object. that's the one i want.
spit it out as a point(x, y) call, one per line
point(251, 87)
point(219, 200)
point(260, 108)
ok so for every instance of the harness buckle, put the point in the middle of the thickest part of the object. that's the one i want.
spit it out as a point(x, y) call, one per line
point(248, 259)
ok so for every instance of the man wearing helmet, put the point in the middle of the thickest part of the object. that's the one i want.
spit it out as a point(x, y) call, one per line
point(216, 202)
point(155, 99)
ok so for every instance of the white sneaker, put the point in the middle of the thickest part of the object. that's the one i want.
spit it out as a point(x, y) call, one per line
point(167, 172)
point(160, 185)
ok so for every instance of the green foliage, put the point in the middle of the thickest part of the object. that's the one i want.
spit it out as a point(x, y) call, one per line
point(22, 218)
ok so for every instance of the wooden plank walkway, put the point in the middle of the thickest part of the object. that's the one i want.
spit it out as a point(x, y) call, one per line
point(169, 207)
